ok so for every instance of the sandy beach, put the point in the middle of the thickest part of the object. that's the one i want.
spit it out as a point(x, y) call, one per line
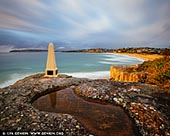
point(145, 57)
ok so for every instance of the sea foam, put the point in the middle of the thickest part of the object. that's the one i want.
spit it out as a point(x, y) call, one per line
point(13, 78)
point(91, 75)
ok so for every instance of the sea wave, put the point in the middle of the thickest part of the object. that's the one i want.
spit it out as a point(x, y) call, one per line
point(13, 78)
point(120, 57)
point(112, 63)
point(105, 62)
point(111, 59)
point(91, 75)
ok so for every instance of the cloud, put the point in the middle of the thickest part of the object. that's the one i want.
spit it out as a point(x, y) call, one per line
point(122, 22)
point(23, 15)
point(85, 28)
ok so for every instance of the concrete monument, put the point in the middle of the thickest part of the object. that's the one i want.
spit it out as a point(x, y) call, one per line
point(51, 67)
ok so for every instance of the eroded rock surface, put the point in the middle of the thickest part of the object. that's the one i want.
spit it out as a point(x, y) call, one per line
point(144, 103)
point(147, 105)
point(17, 113)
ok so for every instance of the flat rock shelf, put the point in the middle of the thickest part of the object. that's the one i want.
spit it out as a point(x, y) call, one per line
point(36, 103)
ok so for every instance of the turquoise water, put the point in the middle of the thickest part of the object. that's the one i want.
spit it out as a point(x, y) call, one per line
point(14, 66)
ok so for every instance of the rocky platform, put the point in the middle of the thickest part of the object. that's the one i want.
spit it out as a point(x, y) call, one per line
point(147, 105)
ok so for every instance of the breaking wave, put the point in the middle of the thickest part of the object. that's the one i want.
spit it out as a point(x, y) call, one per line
point(12, 79)
point(91, 75)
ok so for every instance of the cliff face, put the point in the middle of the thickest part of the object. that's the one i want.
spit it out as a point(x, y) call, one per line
point(126, 74)
point(155, 72)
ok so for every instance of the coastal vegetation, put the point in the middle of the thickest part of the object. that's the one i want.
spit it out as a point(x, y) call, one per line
point(158, 70)
point(141, 50)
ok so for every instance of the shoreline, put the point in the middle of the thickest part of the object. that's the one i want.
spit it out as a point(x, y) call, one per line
point(90, 75)
point(145, 57)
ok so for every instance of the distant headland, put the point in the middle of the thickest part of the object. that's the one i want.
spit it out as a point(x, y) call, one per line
point(28, 50)
point(140, 50)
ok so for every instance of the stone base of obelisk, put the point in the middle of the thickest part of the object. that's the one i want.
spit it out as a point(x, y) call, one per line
point(51, 73)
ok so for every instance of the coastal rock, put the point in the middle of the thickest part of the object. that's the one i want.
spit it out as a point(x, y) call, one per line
point(17, 113)
point(137, 99)
point(144, 103)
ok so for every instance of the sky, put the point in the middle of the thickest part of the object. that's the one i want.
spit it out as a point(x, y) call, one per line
point(82, 24)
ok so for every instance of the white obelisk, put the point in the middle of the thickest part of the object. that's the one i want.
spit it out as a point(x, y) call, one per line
point(51, 67)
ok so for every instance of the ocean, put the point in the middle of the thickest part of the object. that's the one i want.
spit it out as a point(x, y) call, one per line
point(17, 65)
